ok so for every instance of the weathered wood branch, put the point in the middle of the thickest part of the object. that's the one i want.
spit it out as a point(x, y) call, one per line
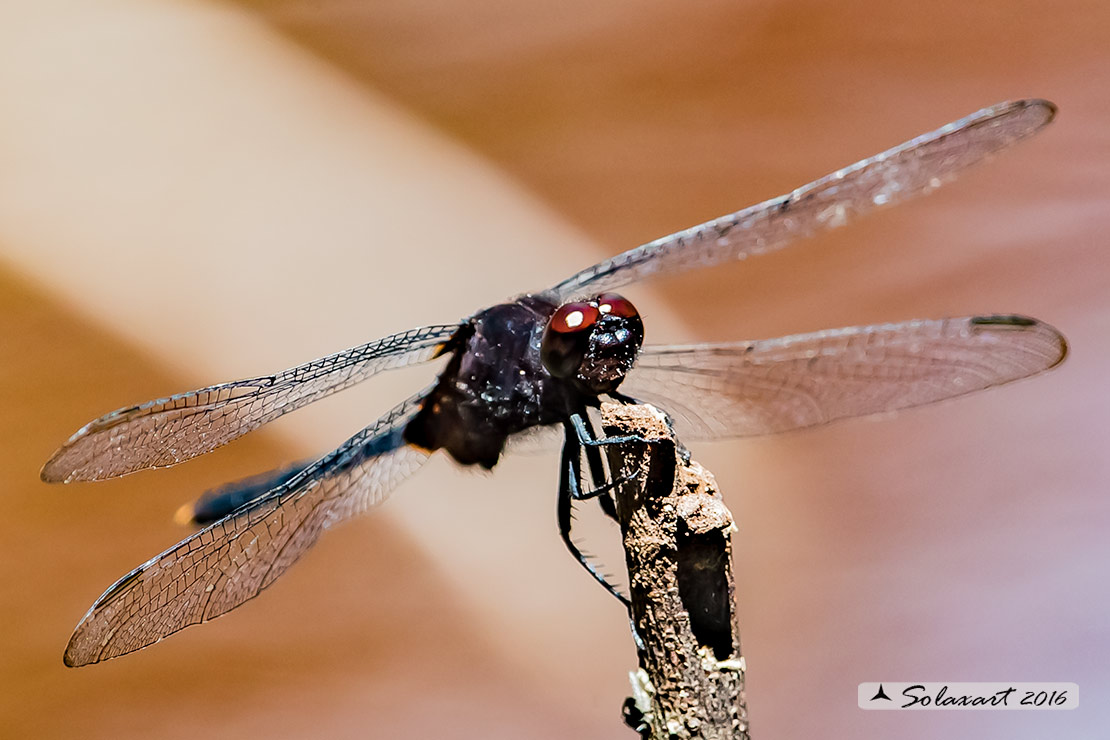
point(676, 532)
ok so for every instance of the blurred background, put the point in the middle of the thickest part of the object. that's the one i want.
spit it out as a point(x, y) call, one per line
point(195, 191)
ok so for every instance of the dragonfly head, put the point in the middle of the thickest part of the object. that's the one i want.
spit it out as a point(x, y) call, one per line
point(593, 343)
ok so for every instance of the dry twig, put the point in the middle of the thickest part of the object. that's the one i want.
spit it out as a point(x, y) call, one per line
point(676, 533)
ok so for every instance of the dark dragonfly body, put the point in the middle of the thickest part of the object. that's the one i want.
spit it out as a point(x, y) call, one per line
point(479, 400)
point(543, 360)
point(556, 369)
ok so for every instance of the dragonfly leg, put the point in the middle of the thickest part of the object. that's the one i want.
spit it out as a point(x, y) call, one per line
point(589, 440)
point(629, 400)
point(584, 434)
point(570, 477)
point(584, 429)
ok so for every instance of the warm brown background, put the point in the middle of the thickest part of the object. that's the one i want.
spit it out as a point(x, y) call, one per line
point(195, 191)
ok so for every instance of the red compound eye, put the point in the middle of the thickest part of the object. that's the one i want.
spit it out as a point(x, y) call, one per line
point(567, 337)
point(574, 317)
point(616, 305)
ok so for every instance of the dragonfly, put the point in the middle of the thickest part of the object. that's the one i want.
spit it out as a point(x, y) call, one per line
point(541, 361)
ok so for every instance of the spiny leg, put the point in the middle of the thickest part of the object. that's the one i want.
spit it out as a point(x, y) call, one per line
point(588, 438)
point(569, 478)
point(585, 431)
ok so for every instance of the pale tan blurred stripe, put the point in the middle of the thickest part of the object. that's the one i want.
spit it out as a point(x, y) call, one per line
point(204, 191)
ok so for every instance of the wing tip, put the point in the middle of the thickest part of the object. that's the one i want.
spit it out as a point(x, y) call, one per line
point(52, 470)
point(49, 472)
point(70, 660)
point(1049, 108)
point(58, 470)
point(1061, 345)
point(74, 657)
point(1042, 111)
point(1018, 322)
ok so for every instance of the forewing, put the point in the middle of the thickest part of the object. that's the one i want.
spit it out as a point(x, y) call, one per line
point(913, 168)
point(715, 391)
point(231, 561)
point(170, 430)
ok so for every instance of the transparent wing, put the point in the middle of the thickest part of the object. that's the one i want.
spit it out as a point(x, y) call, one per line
point(913, 168)
point(715, 391)
point(231, 561)
point(171, 430)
